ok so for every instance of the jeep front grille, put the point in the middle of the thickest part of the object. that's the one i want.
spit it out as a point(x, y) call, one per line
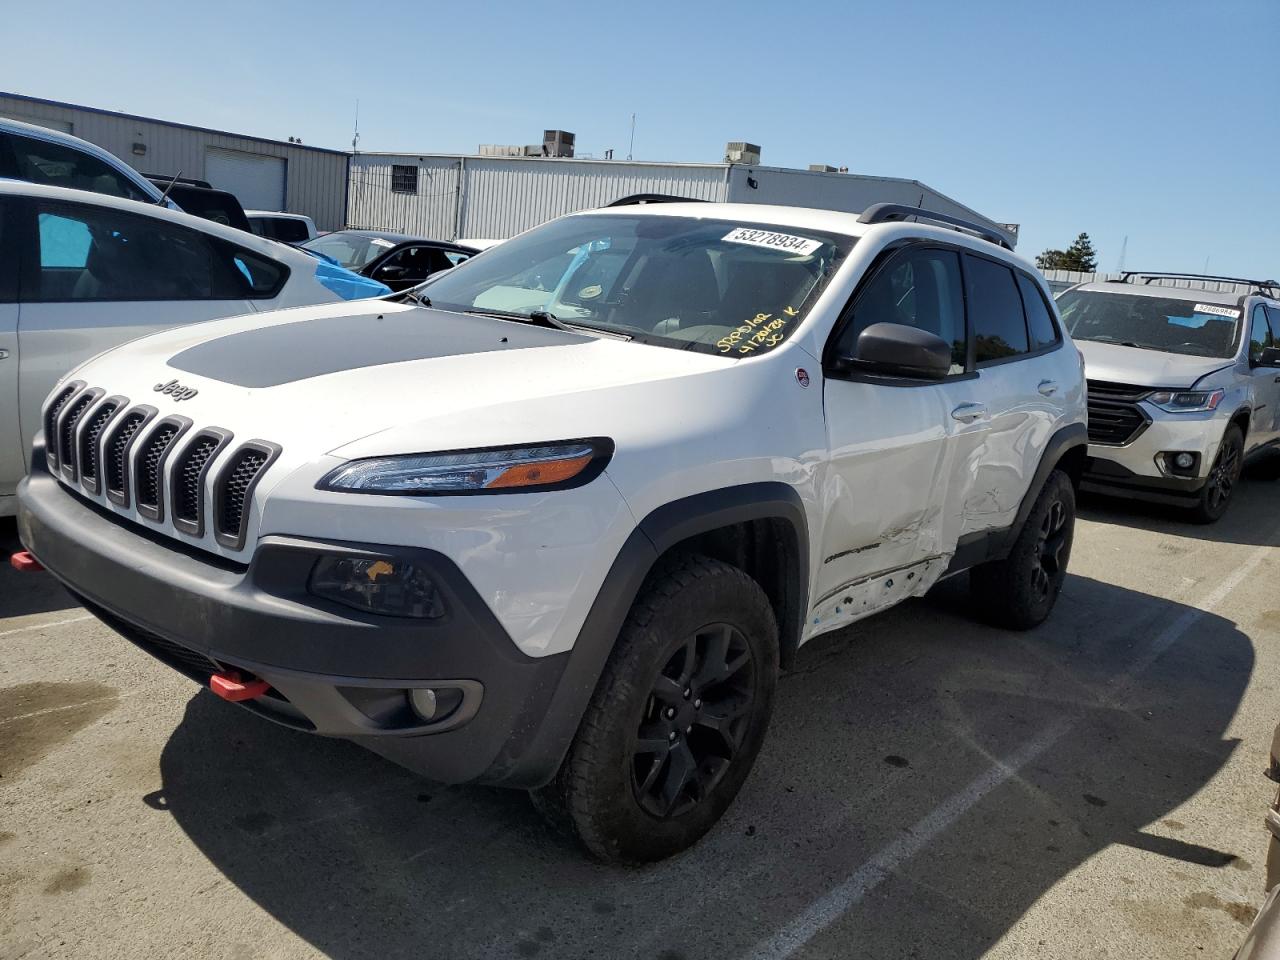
point(149, 482)
point(116, 455)
point(235, 487)
point(51, 422)
point(67, 421)
point(190, 481)
point(189, 473)
point(87, 453)
point(1115, 419)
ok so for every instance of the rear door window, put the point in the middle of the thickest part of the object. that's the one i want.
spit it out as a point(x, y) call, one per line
point(1259, 334)
point(1040, 323)
point(995, 311)
point(287, 229)
point(1273, 321)
point(100, 253)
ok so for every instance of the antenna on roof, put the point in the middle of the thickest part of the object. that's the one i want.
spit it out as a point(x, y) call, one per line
point(632, 145)
point(165, 195)
point(355, 133)
point(1124, 248)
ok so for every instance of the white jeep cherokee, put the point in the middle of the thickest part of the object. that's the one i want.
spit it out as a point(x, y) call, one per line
point(556, 523)
point(1183, 385)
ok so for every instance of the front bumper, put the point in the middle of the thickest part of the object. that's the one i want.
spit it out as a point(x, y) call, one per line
point(333, 670)
point(1135, 468)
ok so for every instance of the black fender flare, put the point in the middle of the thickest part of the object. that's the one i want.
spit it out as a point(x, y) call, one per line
point(995, 544)
point(534, 754)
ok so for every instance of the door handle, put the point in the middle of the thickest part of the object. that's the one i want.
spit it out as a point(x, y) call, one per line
point(4, 355)
point(969, 412)
point(1047, 388)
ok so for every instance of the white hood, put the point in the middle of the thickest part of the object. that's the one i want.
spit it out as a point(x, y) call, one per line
point(1147, 368)
point(377, 377)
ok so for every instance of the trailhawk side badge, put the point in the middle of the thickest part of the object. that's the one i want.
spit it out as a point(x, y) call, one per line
point(176, 390)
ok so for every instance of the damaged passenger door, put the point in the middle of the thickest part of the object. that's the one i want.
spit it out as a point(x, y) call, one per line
point(889, 439)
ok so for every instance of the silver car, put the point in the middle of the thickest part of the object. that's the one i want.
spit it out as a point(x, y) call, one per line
point(1184, 384)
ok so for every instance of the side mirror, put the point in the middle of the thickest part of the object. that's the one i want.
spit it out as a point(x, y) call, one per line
point(897, 350)
point(1270, 357)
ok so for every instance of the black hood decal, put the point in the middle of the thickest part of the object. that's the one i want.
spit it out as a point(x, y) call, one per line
point(287, 352)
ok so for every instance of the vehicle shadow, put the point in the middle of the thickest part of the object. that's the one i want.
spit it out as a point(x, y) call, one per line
point(1256, 492)
point(22, 594)
point(876, 728)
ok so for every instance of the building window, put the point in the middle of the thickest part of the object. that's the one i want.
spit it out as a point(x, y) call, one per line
point(404, 179)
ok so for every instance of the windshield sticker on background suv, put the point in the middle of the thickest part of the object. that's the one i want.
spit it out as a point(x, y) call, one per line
point(762, 330)
point(1217, 310)
point(773, 241)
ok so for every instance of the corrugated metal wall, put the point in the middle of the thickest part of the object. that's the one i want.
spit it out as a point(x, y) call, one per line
point(842, 191)
point(506, 196)
point(431, 212)
point(502, 196)
point(316, 180)
point(1060, 280)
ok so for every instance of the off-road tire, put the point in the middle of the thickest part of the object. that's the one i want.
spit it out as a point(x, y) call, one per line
point(1019, 591)
point(596, 794)
point(1224, 477)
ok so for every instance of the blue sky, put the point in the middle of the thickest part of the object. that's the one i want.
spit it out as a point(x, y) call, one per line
point(1152, 120)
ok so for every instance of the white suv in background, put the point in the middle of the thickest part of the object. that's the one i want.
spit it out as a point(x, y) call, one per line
point(556, 520)
point(40, 155)
point(1183, 384)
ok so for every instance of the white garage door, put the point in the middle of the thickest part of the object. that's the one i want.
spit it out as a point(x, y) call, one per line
point(256, 179)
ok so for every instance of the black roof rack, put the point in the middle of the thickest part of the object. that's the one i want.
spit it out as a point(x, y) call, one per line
point(1148, 276)
point(889, 212)
point(639, 198)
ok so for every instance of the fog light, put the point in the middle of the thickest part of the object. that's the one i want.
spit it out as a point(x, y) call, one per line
point(435, 703)
point(423, 703)
point(1183, 461)
point(389, 587)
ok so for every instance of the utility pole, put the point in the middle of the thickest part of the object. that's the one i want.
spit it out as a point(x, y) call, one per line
point(1124, 248)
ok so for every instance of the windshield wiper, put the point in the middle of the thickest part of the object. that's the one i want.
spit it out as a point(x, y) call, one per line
point(419, 298)
point(1123, 343)
point(539, 318)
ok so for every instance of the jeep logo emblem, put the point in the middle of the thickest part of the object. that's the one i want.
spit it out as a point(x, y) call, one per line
point(176, 390)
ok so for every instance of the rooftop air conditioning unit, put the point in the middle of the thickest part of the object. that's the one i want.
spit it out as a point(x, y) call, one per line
point(557, 143)
point(739, 151)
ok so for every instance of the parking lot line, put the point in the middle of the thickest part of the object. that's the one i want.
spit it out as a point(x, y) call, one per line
point(46, 625)
point(826, 910)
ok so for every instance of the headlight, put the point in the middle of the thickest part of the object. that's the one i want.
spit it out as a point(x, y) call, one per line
point(1186, 401)
point(552, 466)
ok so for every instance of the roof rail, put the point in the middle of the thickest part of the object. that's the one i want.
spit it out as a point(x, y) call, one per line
point(1148, 276)
point(636, 199)
point(889, 212)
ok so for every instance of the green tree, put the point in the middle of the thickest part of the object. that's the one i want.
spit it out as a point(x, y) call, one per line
point(1079, 256)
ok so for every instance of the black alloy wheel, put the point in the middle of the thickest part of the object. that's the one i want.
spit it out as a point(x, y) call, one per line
point(693, 724)
point(1047, 559)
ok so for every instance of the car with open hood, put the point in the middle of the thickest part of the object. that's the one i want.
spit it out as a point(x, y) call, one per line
point(557, 519)
point(1184, 383)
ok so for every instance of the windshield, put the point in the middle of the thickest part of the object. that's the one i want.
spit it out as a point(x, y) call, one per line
point(352, 250)
point(1152, 323)
point(716, 286)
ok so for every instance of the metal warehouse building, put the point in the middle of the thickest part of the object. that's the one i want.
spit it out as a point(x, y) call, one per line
point(487, 197)
point(263, 174)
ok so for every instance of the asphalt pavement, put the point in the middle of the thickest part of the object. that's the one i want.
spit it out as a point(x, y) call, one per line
point(931, 787)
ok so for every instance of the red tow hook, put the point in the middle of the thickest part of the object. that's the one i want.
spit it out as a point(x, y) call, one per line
point(229, 686)
point(24, 562)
